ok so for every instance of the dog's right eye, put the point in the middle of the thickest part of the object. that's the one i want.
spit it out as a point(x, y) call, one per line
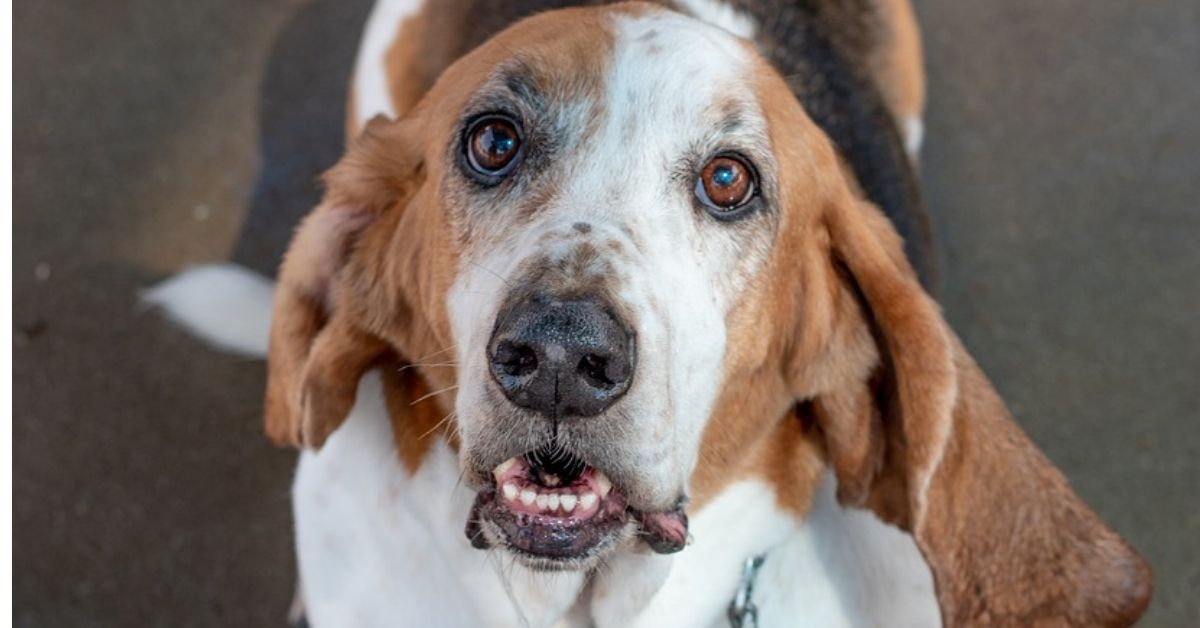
point(493, 146)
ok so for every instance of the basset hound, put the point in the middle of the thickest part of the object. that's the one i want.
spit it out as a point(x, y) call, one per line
point(636, 295)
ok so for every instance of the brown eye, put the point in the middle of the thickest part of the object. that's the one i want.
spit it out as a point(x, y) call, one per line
point(725, 184)
point(492, 146)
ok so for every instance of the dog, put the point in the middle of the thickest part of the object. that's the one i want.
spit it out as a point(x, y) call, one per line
point(620, 315)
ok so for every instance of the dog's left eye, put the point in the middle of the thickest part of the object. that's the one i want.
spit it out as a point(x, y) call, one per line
point(493, 146)
point(726, 184)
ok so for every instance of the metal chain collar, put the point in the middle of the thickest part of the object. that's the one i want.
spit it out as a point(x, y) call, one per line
point(742, 612)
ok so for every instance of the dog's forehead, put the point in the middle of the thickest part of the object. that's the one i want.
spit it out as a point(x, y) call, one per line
point(638, 69)
point(677, 84)
point(667, 60)
point(670, 88)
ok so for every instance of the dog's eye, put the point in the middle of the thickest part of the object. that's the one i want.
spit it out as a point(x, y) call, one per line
point(725, 185)
point(493, 144)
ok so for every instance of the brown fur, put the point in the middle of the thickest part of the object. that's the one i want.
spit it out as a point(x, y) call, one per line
point(836, 358)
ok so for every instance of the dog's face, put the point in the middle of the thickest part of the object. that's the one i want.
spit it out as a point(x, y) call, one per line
point(613, 214)
point(641, 254)
point(592, 211)
point(583, 210)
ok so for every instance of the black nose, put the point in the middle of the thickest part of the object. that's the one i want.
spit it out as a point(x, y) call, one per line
point(561, 358)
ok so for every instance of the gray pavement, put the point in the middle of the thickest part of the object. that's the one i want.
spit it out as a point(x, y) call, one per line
point(1062, 166)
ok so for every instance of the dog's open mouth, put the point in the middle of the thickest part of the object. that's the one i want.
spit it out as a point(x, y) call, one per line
point(554, 509)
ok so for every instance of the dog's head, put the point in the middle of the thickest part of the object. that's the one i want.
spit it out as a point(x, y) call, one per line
point(614, 237)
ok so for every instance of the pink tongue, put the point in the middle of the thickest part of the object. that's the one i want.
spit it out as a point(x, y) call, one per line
point(664, 532)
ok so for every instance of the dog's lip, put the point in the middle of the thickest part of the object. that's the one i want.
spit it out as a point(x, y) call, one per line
point(547, 539)
point(557, 522)
point(665, 532)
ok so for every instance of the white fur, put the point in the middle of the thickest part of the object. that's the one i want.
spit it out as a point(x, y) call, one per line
point(226, 305)
point(914, 136)
point(372, 95)
point(723, 15)
point(846, 568)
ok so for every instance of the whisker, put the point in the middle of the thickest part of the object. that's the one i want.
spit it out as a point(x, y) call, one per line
point(494, 273)
point(426, 365)
point(506, 584)
point(435, 427)
point(480, 532)
point(432, 394)
point(438, 352)
point(459, 484)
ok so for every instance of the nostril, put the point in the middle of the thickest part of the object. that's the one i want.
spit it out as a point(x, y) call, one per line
point(515, 360)
point(594, 369)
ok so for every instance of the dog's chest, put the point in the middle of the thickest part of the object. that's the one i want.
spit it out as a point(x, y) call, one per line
point(380, 547)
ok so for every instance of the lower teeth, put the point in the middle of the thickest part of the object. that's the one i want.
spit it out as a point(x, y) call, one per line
point(549, 503)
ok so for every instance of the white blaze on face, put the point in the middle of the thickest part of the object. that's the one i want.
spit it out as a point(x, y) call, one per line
point(671, 89)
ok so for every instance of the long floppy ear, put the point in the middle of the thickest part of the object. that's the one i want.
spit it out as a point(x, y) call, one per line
point(318, 349)
point(919, 436)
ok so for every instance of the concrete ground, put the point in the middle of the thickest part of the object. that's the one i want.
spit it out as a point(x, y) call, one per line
point(1062, 165)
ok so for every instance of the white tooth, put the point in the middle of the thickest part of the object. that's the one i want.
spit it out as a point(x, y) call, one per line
point(510, 491)
point(542, 500)
point(587, 500)
point(568, 502)
point(527, 497)
point(503, 466)
point(550, 479)
point(552, 501)
point(603, 485)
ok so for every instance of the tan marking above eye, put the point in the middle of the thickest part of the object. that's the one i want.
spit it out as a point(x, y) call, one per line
point(492, 146)
point(726, 183)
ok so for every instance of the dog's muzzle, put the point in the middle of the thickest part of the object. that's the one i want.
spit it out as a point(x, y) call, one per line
point(563, 360)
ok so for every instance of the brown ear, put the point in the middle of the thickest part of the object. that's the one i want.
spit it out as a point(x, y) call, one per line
point(918, 435)
point(318, 348)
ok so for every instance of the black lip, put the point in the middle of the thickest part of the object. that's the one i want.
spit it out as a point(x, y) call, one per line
point(546, 537)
